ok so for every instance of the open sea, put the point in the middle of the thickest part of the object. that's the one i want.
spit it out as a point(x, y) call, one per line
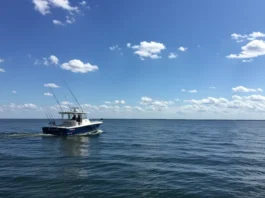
point(135, 158)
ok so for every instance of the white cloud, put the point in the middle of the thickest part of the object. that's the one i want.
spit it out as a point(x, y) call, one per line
point(54, 59)
point(47, 94)
point(66, 103)
point(70, 19)
point(83, 3)
point(107, 102)
point(57, 22)
point(238, 104)
point(183, 49)
point(2, 60)
point(43, 6)
point(146, 100)
point(212, 87)
point(23, 106)
point(127, 108)
point(253, 49)
point(45, 61)
point(128, 45)
point(155, 105)
point(139, 109)
point(14, 92)
point(116, 102)
point(122, 101)
point(77, 66)
point(245, 90)
point(115, 47)
point(240, 38)
point(190, 91)
point(172, 55)
point(64, 4)
point(247, 60)
point(193, 91)
point(2, 70)
point(51, 85)
point(149, 49)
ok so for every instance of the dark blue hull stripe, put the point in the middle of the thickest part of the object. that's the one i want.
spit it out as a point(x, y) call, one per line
point(73, 131)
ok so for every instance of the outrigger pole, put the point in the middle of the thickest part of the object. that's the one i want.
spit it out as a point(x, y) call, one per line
point(47, 115)
point(74, 96)
point(56, 100)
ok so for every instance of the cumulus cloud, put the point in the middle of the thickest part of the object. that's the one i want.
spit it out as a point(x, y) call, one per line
point(252, 103)
point(140, 109)
point(54, 59)
point(128, 45)
point(14, 92)
point(155, 105)
point(57, 22)
point(183, 49)
point(212, 87)
point(247, 60)
point(245, 90)
point(70, 19)
point(22, 106)
point(149, 49)
point(47, 94)
point(47, 61)
point(190, 91)
point(77, 66)
point(172, 55)
point(2, 60)
point(115, 102)
point(44, 6)
point(253, 49)
point(2, 70)
point(115, 47)
point(51, 85)
point(83, 3)
point(243, 37)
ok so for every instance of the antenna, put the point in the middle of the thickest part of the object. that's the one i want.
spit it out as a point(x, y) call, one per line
point(74, 96)
point(56, 99)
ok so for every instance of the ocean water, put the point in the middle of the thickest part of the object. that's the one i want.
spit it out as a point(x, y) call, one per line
point(135, 158)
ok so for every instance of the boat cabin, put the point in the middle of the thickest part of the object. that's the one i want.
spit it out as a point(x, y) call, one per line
point(74, 118)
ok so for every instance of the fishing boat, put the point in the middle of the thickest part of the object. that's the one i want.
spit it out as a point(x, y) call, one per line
point(75, 123)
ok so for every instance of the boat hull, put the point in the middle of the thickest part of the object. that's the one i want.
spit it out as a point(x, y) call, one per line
point(63, 131)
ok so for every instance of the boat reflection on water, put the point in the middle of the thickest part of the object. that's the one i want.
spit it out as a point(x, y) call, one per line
point(77, 153)
point(76, 146)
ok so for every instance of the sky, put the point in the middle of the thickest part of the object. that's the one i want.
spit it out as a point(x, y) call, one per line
point(171, 59)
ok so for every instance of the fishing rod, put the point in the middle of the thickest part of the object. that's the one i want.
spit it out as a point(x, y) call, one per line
point(56, 99)
point(50, 114)
point(68, 103)
point(73, 96)
point(46, 114)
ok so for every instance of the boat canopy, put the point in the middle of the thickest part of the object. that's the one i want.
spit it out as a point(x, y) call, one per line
point(71, 112)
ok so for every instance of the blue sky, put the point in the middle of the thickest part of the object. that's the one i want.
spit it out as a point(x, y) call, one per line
point(134, 59)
